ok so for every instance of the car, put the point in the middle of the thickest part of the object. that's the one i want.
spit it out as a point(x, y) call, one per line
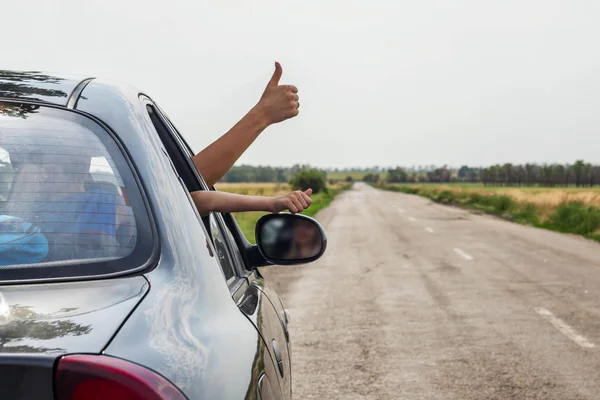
point(112, 286)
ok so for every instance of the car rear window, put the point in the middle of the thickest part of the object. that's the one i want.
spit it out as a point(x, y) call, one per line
point(63, 196)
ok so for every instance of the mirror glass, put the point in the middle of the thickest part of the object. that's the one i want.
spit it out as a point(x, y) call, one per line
point(287, 238)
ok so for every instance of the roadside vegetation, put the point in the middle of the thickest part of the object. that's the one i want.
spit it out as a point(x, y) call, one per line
point(569, 209)
point(560, 197)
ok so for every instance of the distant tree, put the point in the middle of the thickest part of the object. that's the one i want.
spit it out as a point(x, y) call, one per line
point(474, 175)
point(349, 178)
point(578, 169)
point(463, 172)
point(309, 179)
point(438, 175)
point(397, 175)
point(589, 168)
point(371, 178)
point(520, 174)
point(507, 174)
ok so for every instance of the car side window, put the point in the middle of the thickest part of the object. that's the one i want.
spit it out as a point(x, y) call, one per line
point(63, 190)
point(235, 251)
point(215, 236)
point(212, 224)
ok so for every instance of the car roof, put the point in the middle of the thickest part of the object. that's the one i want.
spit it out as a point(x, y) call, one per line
point(59, 89)
point(39, 86)
point(113, 102)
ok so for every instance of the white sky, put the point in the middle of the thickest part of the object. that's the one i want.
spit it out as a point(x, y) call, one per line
point(382, 82)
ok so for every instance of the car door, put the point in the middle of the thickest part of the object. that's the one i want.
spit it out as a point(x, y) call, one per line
point(245, 284)
point(273, 326)
point(254, 301)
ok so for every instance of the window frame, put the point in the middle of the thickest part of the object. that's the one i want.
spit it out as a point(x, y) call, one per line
point(208, 235)
point(234, 236)
point(240, 272)
point(141, 258)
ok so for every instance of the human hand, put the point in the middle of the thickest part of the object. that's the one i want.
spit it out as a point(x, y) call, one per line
point(296, 202)
point(278, 103)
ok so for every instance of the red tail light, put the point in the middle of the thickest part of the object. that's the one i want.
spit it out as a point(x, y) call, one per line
point(90, 377)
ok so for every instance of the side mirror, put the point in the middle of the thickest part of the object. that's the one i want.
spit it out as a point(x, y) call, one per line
point(288, 239)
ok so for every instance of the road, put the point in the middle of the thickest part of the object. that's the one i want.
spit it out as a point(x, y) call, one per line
point(415, 300)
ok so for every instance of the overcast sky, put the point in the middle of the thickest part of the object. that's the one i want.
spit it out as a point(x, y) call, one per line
point(382, 82)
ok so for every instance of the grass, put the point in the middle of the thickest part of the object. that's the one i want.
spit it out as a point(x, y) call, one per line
point(567, 210)
point(247, 220)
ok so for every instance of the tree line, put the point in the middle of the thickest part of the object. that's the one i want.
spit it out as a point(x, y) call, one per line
point(580, 173)
point(250, 173)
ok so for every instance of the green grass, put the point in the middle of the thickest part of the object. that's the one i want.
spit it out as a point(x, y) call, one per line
point(568, 217)
point(575, 218)
point(247, 220)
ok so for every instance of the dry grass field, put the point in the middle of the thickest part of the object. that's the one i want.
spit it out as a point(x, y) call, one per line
point(544, 198)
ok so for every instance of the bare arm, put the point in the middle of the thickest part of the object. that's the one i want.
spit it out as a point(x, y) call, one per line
point(207, 201)
point(215, 160)
point(276, 104)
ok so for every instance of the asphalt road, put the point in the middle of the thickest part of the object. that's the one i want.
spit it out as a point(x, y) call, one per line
point(415, 300)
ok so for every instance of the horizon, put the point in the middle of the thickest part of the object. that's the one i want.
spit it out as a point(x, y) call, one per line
point(406, 167)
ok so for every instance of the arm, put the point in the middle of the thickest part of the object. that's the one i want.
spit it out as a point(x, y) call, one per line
point(215, 160)
point(276, 104)
point(207, 201)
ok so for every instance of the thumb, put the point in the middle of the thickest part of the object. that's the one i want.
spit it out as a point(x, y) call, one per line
point(308, 192)
point(276, 75)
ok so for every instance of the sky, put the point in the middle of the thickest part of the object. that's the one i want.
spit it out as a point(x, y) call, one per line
point(382, 82)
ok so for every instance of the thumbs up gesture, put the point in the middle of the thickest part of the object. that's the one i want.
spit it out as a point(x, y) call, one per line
point(278, 102)
point(296, 202)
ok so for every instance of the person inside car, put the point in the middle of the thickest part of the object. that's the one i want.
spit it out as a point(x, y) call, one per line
point(49, 191)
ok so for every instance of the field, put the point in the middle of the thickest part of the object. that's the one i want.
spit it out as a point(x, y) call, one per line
point(247, 220)
point(545, 198)
point(571, 210)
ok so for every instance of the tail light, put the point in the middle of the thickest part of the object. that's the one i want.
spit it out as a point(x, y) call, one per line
point(94, 377)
